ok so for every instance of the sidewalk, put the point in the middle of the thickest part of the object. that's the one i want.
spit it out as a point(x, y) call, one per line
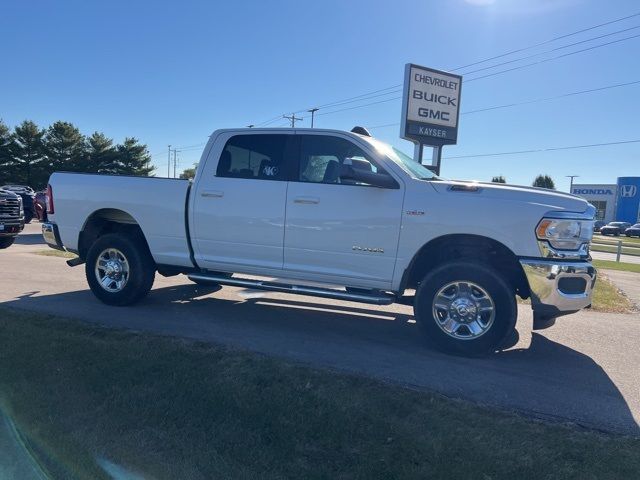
point(628, 282)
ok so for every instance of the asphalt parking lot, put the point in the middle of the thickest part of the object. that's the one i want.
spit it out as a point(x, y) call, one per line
point(583, 370)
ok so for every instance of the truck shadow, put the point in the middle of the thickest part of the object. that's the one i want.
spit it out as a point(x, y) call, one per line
point(545, 378)
point(30, 239)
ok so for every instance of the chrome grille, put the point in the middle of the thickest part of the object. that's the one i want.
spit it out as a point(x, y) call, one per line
point(9, 210)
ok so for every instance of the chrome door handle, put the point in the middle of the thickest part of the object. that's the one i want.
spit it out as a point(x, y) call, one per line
point(306, 200)
point(212, 194)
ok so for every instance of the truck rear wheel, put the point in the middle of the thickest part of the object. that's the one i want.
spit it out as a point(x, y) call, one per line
point(119, 269)
point(465, 308)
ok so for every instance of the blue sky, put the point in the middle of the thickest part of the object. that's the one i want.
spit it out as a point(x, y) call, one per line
point(172, 72)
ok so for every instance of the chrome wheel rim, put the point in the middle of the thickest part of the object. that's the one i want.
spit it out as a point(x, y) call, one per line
point(112, 270)
point(463, 310)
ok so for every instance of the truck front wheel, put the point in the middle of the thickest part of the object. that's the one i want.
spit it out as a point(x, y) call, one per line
point(465, 308)
point(6, 242)
point(119, 269)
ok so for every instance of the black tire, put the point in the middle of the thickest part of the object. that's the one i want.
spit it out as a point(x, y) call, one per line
point(496, 289)
point(6, 242)
point(141, 269)
point(28, 216)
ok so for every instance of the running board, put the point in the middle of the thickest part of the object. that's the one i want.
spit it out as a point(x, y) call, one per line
point(377, 298)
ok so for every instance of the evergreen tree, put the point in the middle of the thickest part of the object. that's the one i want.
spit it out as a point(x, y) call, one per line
point(6, 162)
point(499, 179)
point(102, 156)
point(29, 166)
point(133, 159)
point(64, 148)
point(544, 181)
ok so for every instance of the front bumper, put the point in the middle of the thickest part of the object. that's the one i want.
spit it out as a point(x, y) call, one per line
point(559, 288)
point(52, 236)
point(11, 229)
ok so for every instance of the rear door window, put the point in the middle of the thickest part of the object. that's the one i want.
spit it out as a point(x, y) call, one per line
point(256, 156)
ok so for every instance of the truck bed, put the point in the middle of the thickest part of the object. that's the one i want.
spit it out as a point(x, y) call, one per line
point(156, 204)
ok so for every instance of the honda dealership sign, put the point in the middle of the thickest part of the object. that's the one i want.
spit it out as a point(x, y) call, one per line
point(430, 106)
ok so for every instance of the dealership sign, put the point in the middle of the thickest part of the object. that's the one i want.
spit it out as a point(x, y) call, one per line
point(430, 106)
point(592, 191)
point(628, 191)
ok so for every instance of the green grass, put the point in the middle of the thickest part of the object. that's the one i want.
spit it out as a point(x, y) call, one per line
point(607, 298)
point(171, 408)
point(596, 247)
point(55, 253)
point(633, 241)
point(612, 265)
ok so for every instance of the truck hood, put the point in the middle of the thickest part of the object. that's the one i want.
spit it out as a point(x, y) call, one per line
point(553, 200)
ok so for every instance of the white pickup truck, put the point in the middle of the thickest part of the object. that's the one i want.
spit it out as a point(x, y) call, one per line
point(338, 215)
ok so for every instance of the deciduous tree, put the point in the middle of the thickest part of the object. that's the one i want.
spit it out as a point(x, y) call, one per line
point(189, 173)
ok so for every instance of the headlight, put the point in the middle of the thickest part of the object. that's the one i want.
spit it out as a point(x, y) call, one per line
point(565, 234)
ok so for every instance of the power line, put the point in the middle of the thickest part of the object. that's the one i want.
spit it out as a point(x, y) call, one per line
point(541, 150)
point(371, 94)
point(186, 147)
point(359, 106)
point(527, 102)
point(552, 50)
point(546, 42)
point(552, 58)
point(570, 94)
point(485, 68)
point(340, 102)
point(481, 77)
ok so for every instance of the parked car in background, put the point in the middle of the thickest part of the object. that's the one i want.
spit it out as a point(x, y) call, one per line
point(28, 196)
point(598, 225)
point(40, 205)
point(633, 231)
point(11, 217)
point(614, 228)
point(353, 216)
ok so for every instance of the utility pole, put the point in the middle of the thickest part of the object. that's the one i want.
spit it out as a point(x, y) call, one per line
point(169, 163)
point(174, 162)
point(293, 119)
point(312, 111)
point(571, 184)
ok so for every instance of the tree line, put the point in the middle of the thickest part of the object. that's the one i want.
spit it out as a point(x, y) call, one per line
point(543, 181)
point(29, 154)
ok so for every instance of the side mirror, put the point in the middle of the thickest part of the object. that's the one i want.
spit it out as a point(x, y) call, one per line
point(380, 180)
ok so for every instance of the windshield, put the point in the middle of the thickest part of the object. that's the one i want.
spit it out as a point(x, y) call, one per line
point(407, 163)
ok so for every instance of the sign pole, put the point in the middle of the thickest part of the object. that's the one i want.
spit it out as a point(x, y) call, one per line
point(435, 159)
point(417, 152)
